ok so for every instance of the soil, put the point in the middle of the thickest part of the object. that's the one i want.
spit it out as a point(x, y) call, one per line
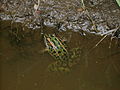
point(98, 16)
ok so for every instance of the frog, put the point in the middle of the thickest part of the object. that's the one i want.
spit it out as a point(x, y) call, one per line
point(58, 50)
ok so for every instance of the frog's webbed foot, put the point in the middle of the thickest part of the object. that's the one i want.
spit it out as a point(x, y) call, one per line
point(58, 67)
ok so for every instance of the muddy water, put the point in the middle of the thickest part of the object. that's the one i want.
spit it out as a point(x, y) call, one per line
point(24, 67)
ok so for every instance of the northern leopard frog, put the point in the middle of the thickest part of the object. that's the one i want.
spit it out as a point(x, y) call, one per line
point(58, 50)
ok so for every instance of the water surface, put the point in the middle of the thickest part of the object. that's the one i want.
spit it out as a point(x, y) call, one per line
point(24, 67)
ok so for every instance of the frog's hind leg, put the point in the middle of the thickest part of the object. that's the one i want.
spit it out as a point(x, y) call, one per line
point(75, 54)
point(57, 67)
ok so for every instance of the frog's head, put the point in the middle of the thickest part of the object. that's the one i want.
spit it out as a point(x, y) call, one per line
point(49, 41)
point(46, 36)
point(49, 36)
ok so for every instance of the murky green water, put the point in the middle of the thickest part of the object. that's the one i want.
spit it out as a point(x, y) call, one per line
point(24, 67)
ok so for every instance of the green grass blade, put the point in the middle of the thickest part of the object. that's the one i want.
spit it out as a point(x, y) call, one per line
point(118, 2)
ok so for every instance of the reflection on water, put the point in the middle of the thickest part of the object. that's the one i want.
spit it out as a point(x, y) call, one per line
point(24, 67)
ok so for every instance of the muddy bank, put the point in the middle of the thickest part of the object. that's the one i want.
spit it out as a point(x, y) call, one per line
point(99, 16)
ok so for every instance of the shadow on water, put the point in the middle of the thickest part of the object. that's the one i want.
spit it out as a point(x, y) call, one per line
point(24, 67)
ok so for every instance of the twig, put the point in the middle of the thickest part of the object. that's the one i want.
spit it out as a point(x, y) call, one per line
point(100, 40)
point(110, 31)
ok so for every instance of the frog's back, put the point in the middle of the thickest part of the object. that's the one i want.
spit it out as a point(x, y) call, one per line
point(56, 47)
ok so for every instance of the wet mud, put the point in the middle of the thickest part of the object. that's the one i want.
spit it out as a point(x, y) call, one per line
point(95, 16)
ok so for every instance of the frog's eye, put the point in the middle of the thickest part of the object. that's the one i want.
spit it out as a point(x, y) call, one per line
point(51, 47)
point(52, 35)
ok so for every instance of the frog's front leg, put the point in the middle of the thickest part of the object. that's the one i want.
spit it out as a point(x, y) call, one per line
point(43, 51)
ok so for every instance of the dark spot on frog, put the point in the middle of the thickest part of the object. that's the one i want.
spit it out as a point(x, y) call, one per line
point(64, 50)
point(53, 52)
point(59, 52)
